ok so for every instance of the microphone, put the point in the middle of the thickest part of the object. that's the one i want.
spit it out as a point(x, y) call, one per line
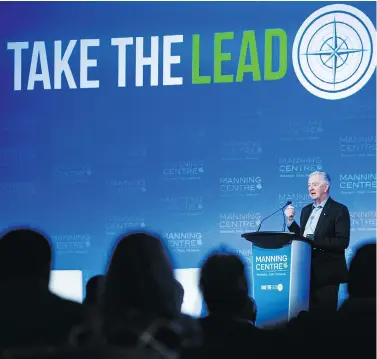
point(280, 209)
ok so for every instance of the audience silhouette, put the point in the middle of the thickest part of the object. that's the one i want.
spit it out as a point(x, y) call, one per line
point(30, 315)
point(134, 310)
point(94, 290)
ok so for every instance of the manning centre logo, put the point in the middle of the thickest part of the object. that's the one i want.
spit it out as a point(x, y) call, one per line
point(333, 56)
point(271, 265)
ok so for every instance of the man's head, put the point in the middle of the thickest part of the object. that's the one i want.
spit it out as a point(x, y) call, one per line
point(319, 186)
point(224, 284)
point(25, 254)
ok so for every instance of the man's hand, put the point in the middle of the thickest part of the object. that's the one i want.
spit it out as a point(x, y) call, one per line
point(290, 212)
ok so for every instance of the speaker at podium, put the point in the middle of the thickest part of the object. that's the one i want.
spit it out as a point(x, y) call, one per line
point(280, 275)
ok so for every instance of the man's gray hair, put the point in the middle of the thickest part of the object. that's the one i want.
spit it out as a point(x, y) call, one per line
point(325, 175)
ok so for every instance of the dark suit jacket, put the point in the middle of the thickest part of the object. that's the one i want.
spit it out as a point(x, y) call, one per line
point(331, 238)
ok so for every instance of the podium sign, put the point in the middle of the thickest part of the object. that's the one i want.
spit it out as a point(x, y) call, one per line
point(280, 275)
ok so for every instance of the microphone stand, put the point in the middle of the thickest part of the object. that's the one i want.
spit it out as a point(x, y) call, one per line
point(284, 220)
point(280, 209)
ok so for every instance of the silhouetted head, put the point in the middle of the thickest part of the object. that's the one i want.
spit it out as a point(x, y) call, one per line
point(140, 277)
point(25, 254)
point(224, 284)
point(362, 273)
point(94, 289)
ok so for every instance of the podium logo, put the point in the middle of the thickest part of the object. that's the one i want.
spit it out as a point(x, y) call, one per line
point(186, 170)
point(302, 129)
point(291, 167)
point(116, 224)
point(363, 221)
point(234, 150)
point(334, 52)
point(78, 243)
point(357, 146)
point(184, 242)
point(357, 183)
point(233, 222)
point(271, 265)
point(240, 186)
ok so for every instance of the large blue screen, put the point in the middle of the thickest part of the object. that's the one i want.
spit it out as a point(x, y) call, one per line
point(192, 120)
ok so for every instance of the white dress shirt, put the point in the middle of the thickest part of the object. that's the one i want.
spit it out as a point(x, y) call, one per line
point(312, 222)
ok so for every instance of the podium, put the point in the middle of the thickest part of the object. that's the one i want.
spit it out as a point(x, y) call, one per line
point(280, 275)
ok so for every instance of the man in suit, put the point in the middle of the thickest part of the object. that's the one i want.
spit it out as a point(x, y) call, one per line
point(327, 224)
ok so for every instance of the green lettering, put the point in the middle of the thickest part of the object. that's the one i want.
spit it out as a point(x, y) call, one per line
point(197, 79)
point(220, 56)
point(249, 44)
point(269, 74)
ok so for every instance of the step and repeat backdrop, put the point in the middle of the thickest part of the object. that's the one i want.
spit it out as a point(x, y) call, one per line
point(191, 120)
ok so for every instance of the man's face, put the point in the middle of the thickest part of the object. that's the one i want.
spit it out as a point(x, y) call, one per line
point(317, 187)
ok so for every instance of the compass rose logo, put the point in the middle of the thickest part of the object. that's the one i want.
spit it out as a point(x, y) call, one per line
point(334, 52)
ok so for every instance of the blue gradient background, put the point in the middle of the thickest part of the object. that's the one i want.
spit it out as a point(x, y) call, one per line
point(134, 133)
